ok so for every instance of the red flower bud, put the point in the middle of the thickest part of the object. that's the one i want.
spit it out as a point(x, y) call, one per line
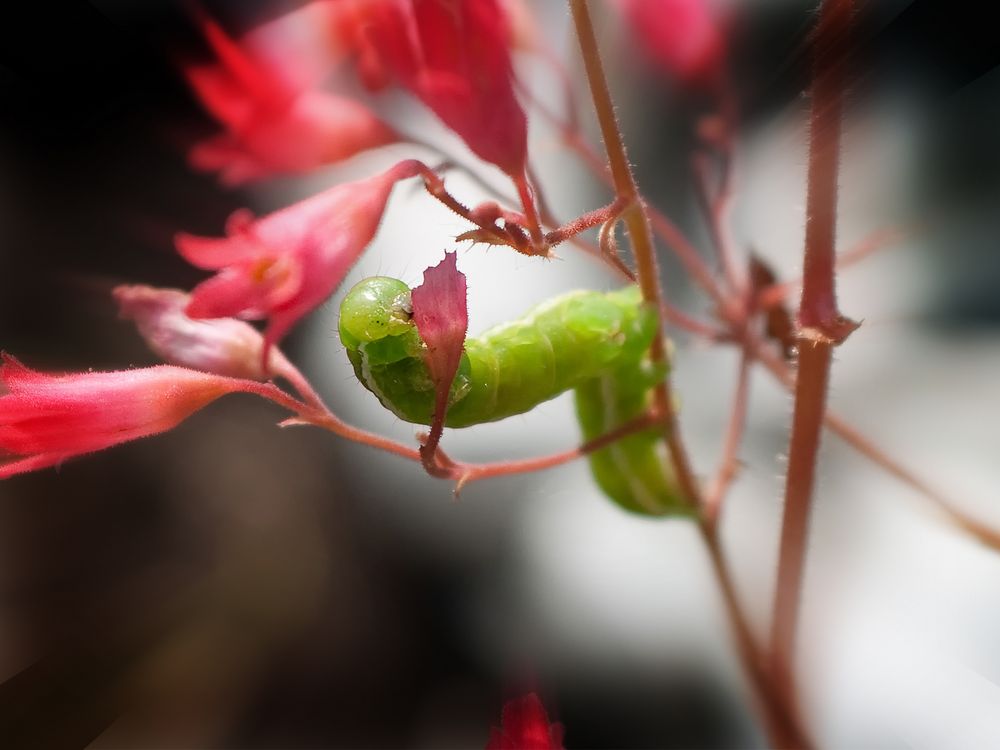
point(223, 346)
point(46, 419)
point(272, 126)
point(284, 265)
point(453, 55)
point(526, 726)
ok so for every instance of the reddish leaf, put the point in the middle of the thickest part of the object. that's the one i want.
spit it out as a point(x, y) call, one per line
point(440, 312)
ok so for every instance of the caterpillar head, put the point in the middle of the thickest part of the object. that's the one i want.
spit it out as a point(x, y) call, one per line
point(376, 315)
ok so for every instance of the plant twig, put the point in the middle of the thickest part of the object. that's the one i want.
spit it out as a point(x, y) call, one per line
point(820, 328)
point(779, 722)
point(840, 427)
point(728, 464)
point(634, 216)
point(877, 240)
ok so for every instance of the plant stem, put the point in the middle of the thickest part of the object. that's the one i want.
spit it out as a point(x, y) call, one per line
point(734, 437)
point(820, 327)
point(983, 532)
point(634, 216)
point(779, 722)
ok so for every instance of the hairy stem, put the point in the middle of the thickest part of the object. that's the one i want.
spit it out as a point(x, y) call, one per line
point(820, 327)
point(634, 216)
point(728, 464)
point(778, 722)
point(840, 427)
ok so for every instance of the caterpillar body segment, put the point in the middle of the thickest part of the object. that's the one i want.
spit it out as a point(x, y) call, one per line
point(592, 342)
point(632, 471)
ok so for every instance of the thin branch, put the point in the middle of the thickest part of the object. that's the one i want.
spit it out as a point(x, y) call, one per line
point(638, 227)
point(820, 327)
point(872, 243)
point(729, 463)
point(776, 719)
point(781, 723)
point(467, 473)
point(984, 533)
point(715, 206)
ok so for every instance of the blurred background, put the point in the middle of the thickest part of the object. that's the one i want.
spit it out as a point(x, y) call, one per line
point(232, 585)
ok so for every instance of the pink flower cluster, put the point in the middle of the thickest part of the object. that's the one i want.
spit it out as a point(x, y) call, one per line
point(453, 56)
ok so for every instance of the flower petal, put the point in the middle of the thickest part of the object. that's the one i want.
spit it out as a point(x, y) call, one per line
point(440, 312)
point(222, 346)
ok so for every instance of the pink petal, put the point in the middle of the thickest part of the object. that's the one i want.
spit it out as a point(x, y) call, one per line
point(222, 346)
point(248, 290)
point(221, 96)
point(48, 418)
point(284, 265)
point(225, 155)
point(252, 78)
point(212, 253)
point(32, 463)
point(453, 55)
point(440, 312)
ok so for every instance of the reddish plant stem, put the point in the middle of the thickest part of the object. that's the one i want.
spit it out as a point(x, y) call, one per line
point(715, 207)
point(872, 243)
point(807, 419)
point(730, 313)
point(673, 315)
point(854, 437)
point(589, 220)
point(678, 243)
point(779, 722)
point(314, 412)
point(820, 327)
point(634, 216)
point(729, 462)
point(475, 472)
point(530, 211)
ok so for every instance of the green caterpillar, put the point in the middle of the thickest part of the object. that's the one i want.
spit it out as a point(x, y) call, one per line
point(591, 342)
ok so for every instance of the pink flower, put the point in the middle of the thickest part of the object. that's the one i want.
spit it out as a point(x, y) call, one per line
point(526, 726)
point(223, 346)
point(272, 125)
point(284, 265)
point(440, 312)
point(454, 56)
point(682, 36)
point(45, 419)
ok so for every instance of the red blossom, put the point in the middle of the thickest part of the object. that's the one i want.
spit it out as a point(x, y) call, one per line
point(682, 36)
point(223, 346)
point(45, 419)
point(284, 265)
point(453, 55)
point(440, 312)
point(525, 726)
point(273, 125)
